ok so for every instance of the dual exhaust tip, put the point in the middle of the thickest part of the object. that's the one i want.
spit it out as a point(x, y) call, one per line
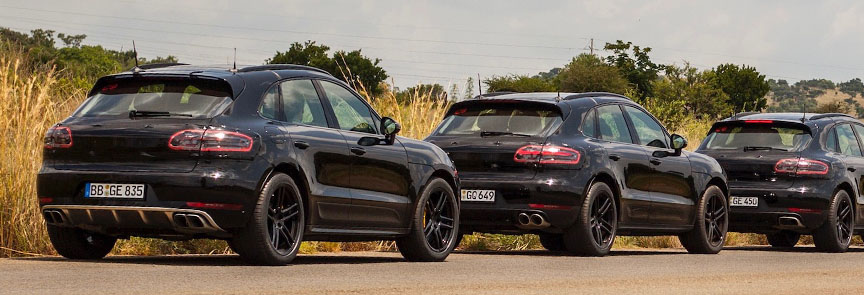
point(187, 220)
point(54, 217)
point(532, 220)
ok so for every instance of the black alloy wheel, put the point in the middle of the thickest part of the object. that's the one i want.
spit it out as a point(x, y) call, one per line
point(835, 234)
point(716, 220)
point(711, 223)
point(434, 226)
point(283, 220)
point(438, 220)
point(603, 220)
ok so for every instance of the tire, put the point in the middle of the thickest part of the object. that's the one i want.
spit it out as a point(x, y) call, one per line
point(783, 239)
point(711, 225)
point(434, 225)
point(275, 229)
point(835, 234)
point(458, 240)
point(552, 242)
point(74, 243)
point(594, 231)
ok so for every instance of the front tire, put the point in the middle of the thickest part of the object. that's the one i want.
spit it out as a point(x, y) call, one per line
point(274, 234)
point(75, 243)
point(835, 235)
point(595, 229)
point(712, 224)
point(783, 239)
point(434, 226)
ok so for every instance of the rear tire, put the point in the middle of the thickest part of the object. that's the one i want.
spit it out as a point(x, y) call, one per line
point(434, 226)
point(552, 242)
point(74, 243)
point(712, 223)
point(783, 239)
point(835, 234)
point(594, 231)
point(275, 231)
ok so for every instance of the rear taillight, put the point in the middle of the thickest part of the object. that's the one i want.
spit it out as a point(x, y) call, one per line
point(58, 137)
point(210, 141)
point(547, 154)
point(758, 121)
point(801, 166)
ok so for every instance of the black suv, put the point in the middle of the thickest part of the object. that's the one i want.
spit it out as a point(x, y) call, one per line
point(579, 169)
point(263, 156)
point(792, 174)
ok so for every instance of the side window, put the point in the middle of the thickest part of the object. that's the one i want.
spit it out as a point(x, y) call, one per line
point(860, 131)
point(589, 124)
point(300, 103)
point(269, 105)
point(846, 141)
point(612, 125)
point(650, 132)
point(831, 141)
point(351, 113)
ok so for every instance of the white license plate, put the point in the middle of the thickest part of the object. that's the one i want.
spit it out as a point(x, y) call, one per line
point(478, 195)
point(744, 202)
point(114, 190)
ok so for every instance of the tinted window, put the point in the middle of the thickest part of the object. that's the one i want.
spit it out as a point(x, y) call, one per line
point(351, 113)
point(650, 132)
point(612, 124)
point(846, 140)
point(831, 141)
point(269, 105)
point(195, 98)
point(300, 103)
point(589, 124)
point(740, 135)
point(860, 131)
point(500, 118)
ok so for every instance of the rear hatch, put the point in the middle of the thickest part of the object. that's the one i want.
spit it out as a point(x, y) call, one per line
point(126, 124)
point(749, 150)
point(482, 137)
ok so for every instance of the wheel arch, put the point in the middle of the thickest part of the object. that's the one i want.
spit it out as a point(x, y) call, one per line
point(720, 183)
point(446, 176)
point(609, 180)
point(846, 186)
point(296, 173)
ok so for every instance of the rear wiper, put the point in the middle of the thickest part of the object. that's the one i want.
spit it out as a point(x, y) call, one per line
point(763, 148)
point(500, 133)
point(133, 114)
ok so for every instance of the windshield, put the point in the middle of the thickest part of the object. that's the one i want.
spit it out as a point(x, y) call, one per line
point(758, 136)
point(189, 98)
point(500, 119)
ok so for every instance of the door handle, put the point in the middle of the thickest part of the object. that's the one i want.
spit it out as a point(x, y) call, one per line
point(851, 169)
point(614, 157)
point(358, 151)
point(301, 144)
point(656, 162)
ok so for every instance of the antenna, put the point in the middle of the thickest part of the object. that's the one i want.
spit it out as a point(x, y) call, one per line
point(235, 60)
point(135, 52)
point(479, 86)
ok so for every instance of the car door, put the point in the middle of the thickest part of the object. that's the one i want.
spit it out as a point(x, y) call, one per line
point(672, 195)
point(320, 151)
point(850, 146)
point(379, 177)
point(629, 162)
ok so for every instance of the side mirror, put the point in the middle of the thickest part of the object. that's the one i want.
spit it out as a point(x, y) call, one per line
point(390, 128)
point(678, 143)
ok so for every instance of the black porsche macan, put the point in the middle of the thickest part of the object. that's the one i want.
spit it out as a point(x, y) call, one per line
point(579, 169)
point(263, 156)
point(792, 174)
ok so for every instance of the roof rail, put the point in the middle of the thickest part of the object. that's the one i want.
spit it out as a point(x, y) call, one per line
point(742, 114)
point(159, 65)
point(273, 67)
point(595, 94)
point(828, 115)
point(496, 93)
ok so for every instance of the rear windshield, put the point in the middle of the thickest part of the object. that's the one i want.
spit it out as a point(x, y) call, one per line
point(758, 136)
point(500, 119)
point(190, 98)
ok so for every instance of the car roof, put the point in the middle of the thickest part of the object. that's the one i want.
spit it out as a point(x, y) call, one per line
point(282, 70)
point(790, 117)
point(548, 97)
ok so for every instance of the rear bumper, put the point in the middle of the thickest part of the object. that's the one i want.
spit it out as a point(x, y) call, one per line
point(556, 195)
point(116, 219)
point(801, 208)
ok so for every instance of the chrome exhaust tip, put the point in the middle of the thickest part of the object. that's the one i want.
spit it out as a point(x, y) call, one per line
point(524, 219)
point(538, 220)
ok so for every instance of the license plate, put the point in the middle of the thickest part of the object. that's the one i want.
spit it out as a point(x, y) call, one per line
point(744, 202)
point(478, 195)
point(114, 190)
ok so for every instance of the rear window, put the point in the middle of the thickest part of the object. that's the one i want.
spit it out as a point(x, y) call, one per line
point(192, 98)
point(758, 136)
point(500, 119)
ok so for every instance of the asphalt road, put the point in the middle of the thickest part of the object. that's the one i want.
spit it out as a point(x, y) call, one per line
point(735, 270)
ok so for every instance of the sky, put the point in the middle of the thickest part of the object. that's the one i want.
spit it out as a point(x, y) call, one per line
point(446, 41)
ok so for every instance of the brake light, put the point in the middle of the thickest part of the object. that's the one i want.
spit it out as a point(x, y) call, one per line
point(547, 154)
point(804, 210)
point(58, 138)
point(547, 206)
point(217, 206)
point(801, 166)
point(210, 140)
point(759, 121)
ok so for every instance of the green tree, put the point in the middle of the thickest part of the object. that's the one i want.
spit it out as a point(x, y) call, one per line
point(695, 89)
point(588, 73)
point(349, 66)
point(853, 87)
point(518, 83)
point(637, 68)
point(435, 91)
point(745, 86)
point(469, 89)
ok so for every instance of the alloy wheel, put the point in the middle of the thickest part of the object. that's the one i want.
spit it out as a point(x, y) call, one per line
point(715, 220)
point(844, 221)
point(438, 220)
point(603, 220)
point(283, 220)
